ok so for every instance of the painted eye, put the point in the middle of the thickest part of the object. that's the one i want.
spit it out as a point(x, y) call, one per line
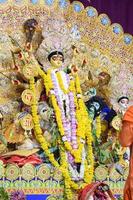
point(44, 110)
point(54, 58)
point(123, 101)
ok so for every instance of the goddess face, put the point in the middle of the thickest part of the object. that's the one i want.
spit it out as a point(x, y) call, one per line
point(123, 102)
point(56, 61)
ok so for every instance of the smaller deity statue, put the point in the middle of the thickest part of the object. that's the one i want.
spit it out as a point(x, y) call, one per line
point(95, 106)
point(123, 104)
point(100, 85)
point(29, 28)
point(121, 95)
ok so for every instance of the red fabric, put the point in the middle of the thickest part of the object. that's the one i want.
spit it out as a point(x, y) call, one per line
point(20, 161)
point(89, 190)
point(3, 160)
point(126, 140)
point(84, 191)
point(128, 115)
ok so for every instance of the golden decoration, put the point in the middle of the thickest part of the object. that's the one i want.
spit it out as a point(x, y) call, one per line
point(30, 71)
point(27, 97)
point(28, 172)
point(43, 172)
point(27, 122)
point(117, 123)
point(12, 172)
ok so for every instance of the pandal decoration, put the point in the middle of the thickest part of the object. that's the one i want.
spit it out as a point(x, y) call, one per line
point(98, 47)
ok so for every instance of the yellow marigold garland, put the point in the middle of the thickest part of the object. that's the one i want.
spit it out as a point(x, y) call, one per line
point(81, 126)
point(67, 181)
point(60, 81)
point(67, 145)
point(84, 130)
point(38, 131)
point(78, 88)
point(44, 144)
point(85, 120)
point(98, 126)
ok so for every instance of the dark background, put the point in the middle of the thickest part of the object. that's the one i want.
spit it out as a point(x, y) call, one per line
point(119, 11)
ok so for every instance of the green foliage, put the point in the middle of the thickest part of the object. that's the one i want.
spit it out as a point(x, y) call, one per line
point(119, 198)
point(3, 194)
point(104, 154)
point(3, 140)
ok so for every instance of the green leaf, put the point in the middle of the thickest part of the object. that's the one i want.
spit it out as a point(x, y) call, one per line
point(3, 194)
point(3, 139)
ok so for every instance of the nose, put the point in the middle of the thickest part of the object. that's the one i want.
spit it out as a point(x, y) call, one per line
point(58, 62)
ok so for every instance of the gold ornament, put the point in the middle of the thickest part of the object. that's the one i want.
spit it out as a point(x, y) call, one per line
point(27, 123)
point(116, 123)
point(29, 71)
point(27, 97)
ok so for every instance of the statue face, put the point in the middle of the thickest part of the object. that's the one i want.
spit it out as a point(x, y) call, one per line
point(43, 110)
point(104, 78)
point(93, 109)
point(124, 103)
point(56, 61)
